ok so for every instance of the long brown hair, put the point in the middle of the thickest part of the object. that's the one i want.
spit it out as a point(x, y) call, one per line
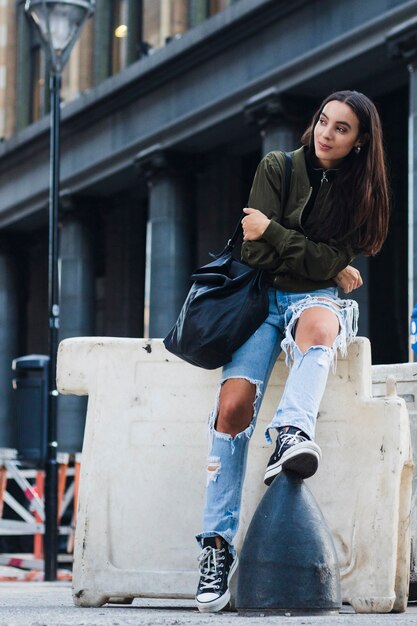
point(360, 191)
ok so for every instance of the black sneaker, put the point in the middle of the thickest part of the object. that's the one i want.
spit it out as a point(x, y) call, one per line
point(294, 451)
point(217, 566)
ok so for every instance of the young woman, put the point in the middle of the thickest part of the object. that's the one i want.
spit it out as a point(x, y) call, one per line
point(337, 208)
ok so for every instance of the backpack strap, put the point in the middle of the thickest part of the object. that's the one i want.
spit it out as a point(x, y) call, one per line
point(287, 174)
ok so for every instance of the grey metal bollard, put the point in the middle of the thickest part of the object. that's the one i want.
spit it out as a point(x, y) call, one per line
point(288, 562)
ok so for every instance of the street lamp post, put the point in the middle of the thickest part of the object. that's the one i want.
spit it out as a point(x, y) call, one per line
point(59, 23)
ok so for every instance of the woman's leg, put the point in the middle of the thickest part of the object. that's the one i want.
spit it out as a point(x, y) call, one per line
point(230, 436)
point(317, 327)
point(239, 401)
point(315, 334)
point(231, 425)
point(238, 405)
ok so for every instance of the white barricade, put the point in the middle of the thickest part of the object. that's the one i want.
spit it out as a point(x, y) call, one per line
point(405, 375)
point(143, 473)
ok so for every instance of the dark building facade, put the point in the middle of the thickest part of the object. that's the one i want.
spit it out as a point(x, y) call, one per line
point(158, 153)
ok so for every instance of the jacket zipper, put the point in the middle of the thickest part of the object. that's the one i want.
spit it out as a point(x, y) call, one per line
point(323, 179)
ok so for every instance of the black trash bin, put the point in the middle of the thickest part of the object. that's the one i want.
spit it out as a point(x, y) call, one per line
point(31, 406)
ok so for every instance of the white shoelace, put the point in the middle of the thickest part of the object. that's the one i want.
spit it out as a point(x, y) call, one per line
point(291, 439)
point(209, 567)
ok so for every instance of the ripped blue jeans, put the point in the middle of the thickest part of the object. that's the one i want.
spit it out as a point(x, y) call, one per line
point(299, 404)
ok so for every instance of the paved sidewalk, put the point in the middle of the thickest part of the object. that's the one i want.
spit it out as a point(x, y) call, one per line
point(50, 604)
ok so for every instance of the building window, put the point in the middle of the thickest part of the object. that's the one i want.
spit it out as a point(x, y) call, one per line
point(219, 5)
point(120, 25)
point(32, 101)
point(200, 10)
point(163, 20)
point(121, 32)
point(38, 108)
point(77, 74)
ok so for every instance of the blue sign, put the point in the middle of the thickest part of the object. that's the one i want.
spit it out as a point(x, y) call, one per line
point(413, 329)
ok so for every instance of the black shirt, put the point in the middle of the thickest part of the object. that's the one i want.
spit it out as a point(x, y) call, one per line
point(317, 177)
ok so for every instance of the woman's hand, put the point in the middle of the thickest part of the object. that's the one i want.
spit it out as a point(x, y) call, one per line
point(349, 279)
point(254, 224)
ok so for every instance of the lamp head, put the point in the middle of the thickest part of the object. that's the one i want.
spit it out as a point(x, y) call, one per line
point(59, 23)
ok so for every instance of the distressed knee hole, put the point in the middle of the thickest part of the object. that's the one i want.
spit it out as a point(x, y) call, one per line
point(347, 314)
point(232, 406)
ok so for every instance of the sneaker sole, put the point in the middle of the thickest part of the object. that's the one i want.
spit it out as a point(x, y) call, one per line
point(217, 605)
point(303, 459)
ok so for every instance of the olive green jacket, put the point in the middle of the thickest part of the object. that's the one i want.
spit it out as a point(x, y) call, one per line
point(292, 261)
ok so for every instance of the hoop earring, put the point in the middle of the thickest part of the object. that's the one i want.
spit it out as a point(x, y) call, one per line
point(357, 149)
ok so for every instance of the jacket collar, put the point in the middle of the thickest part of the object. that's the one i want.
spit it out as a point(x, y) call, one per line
point(317, 174)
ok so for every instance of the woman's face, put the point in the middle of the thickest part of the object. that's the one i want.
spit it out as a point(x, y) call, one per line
point(335, 134)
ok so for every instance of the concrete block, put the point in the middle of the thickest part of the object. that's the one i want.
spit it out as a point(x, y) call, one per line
point(404, 377)
point(143, 472)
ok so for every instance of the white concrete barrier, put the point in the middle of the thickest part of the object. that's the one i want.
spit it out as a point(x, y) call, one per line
point(405, 376)
point(143, 472)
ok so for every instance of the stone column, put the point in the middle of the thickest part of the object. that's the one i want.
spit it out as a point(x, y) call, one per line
point(169, 245)
point(125, 236)
point(220, 197)
point(77, 318)
point(276, 120)
point(36, 274)
point(402, 46)
point(8, 347)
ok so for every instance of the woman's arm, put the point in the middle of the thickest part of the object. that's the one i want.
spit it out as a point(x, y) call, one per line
point(289, 249)
point(306, 258)
point(266, 192)
point(281, 248)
